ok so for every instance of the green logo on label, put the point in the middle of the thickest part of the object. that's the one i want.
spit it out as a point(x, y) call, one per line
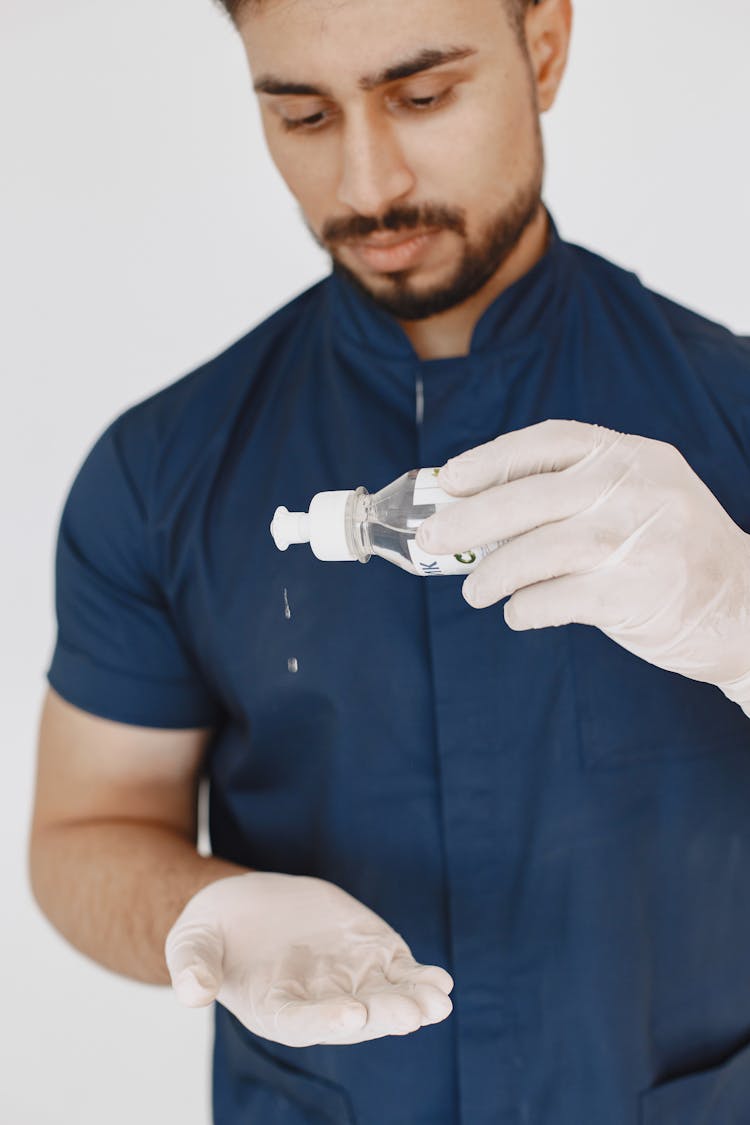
point(435, 472)
point(468, 557)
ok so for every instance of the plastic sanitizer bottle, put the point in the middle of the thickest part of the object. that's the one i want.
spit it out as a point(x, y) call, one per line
point(355, 525)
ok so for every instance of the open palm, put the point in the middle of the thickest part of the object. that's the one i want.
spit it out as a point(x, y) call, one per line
point(300, 961)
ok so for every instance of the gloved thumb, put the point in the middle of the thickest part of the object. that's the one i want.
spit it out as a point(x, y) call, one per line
point(194, 955)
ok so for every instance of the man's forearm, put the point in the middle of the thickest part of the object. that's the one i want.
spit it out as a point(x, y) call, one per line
point(113, 889)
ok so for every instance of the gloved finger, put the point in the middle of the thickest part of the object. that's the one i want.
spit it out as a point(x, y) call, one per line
point(434, 1004)
point(194, 959)
point(546, 447)
point(507, 510)
point(568, 547)
point(405, 968)
point(302, 1023)
point(389, 1011)
point(588, 599)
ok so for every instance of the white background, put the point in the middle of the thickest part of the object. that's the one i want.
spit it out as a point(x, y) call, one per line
point(142, 229)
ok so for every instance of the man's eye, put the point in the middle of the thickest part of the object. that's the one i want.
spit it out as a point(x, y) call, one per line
point(312, 122)
point(422, 103)
point(427, 103)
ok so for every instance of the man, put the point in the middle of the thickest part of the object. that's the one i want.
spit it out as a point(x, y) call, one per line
point(412, 796)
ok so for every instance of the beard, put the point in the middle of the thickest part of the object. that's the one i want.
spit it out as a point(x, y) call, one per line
point(481, 259)
point(479, 263)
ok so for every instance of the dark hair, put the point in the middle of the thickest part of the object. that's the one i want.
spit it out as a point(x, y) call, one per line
point(516, 10)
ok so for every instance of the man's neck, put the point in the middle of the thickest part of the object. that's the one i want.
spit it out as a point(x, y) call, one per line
point(449, 334)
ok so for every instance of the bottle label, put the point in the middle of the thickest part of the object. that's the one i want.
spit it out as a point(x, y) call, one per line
point(448, 564)
point(428, 492)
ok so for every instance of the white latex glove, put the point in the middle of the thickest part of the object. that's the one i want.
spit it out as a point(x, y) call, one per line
point(299, 961)
point(607, 529)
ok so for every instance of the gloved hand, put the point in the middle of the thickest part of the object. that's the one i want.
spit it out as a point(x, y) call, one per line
point(299, 961)
point(609, 529)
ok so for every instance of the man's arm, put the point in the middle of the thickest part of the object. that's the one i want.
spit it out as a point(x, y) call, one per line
point(114, 867)
point(112, 847)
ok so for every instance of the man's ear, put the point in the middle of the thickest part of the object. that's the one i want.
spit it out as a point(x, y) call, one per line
point(548, 26)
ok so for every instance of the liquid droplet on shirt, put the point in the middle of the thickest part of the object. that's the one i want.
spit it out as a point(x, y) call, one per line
point(420, 400)
point(293, 664)
point(287, 610)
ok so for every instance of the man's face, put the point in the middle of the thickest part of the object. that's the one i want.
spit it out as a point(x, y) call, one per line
point(407, 132)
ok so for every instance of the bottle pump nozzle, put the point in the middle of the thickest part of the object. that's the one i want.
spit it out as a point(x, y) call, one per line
point(290, 527)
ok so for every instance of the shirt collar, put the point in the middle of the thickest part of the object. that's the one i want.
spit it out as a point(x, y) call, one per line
point(524, 308)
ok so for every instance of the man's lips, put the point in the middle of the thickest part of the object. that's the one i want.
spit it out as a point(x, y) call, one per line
point(383, 241)
point(392, 251)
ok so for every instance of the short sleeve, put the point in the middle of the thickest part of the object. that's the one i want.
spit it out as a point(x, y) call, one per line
point(117, 652)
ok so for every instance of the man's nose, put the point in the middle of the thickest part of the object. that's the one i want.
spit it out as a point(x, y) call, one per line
point(374, 173)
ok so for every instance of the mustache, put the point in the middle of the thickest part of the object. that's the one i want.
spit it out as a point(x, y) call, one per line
point(432, 216)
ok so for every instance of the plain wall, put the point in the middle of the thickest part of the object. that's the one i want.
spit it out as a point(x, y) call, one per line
point(143, 229)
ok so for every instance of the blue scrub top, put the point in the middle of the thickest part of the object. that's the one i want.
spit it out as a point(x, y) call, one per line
point(561, 825)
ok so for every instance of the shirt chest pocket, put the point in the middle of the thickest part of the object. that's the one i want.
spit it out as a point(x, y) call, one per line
point(630, 711)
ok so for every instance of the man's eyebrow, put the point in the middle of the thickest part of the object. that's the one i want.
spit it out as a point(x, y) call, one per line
point(425, 60)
